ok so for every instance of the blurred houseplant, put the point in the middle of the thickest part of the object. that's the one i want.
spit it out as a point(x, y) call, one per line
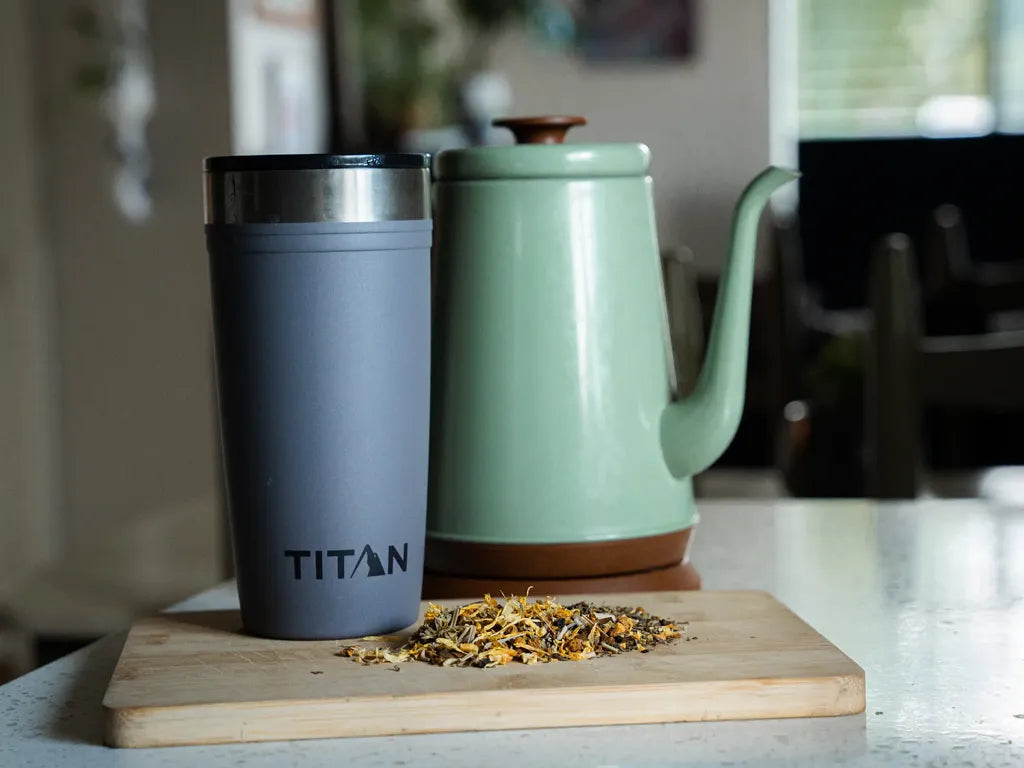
point(418, 59)
point(119, 76)
point(403, 81)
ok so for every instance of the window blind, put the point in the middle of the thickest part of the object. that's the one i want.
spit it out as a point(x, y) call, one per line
point(902, 67)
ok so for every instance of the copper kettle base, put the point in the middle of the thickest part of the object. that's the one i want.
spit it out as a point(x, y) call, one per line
point(682, 575)
point(567, 560)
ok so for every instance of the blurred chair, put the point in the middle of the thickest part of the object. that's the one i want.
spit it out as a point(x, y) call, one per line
point(816, 417)
point(960, 296)
point(788, 331)
point(949, 301)
point(790, 301)
point(947, 259)
point(804, 326)
point(906, 371)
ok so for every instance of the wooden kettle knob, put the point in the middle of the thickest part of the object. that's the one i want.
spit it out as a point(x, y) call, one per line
point(540, 130)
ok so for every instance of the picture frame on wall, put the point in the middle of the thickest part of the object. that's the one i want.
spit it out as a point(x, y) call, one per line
point(279, 75)
point(636, 30)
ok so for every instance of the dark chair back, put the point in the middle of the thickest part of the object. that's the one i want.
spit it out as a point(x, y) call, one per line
point(906, 371)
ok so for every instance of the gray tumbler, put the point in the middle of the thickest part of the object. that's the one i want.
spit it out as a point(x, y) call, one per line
point(320, 277)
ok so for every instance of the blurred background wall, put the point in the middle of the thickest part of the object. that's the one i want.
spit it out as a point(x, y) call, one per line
point(28, 445)
point(110, 457)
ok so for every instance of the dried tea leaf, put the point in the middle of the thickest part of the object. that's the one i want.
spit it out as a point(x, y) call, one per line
point(488, 634)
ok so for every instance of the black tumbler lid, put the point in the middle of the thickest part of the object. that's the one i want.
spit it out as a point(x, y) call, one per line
point(228, 163)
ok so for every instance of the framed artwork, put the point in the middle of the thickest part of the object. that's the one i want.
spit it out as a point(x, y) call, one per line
point(636, 30)
point(278, 76)
point(298, 14)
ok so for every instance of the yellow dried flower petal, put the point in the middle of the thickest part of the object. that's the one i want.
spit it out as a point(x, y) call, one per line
point(488, 633)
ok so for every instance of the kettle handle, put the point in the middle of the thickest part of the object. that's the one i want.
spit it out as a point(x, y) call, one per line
point(549, 129)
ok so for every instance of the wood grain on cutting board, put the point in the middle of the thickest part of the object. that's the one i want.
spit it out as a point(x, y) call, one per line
point(194, 678)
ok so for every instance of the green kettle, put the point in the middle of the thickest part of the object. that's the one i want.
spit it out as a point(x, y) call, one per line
point(557, 447)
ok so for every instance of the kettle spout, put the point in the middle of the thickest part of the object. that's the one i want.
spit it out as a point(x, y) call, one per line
point(697, 430)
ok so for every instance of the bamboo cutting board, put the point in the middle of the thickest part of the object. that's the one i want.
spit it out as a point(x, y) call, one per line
point(193, 678)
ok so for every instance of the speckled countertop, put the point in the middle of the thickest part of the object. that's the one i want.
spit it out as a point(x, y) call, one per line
point(927, 596)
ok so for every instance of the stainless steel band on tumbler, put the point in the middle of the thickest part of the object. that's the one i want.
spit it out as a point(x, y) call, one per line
point(279, 189)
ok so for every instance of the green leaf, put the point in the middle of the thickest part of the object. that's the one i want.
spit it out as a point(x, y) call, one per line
point(85, 21)
point(92, 78)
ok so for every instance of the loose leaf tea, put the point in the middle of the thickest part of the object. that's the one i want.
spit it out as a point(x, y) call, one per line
point(489, 634)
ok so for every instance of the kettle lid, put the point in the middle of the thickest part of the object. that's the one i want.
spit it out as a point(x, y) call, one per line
point(541, 153)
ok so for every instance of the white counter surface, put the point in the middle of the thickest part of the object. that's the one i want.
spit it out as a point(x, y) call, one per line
point(927, 596)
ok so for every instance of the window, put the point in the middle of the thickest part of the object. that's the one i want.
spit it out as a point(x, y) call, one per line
point(910, 67)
